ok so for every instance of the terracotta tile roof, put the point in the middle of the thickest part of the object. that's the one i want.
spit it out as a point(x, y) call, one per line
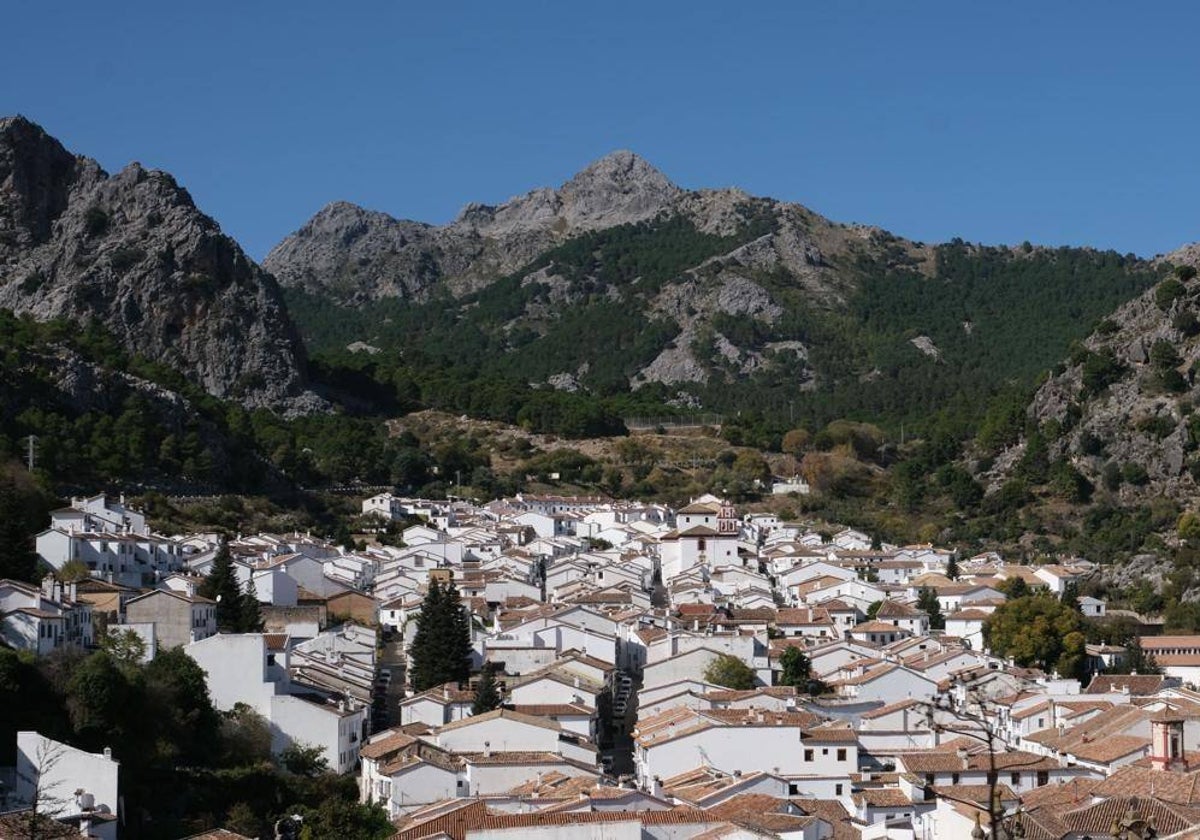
point(675, 816)
point(1168, 786)
point(975, 793)
point(946, 761)
point(896, 609)
point(834, 813)
point(214, 834)
point(1060, 797)
point(891, 797)
point(1099, 818)
point(802, 616)
point(832, 733)
point(760, 812)
point(507, 714)
point(883, 711)
point(453, 823)
point(391, 743)
point(1139, 685)
point(552, 709)
point(1110, 748)
point(877, 627)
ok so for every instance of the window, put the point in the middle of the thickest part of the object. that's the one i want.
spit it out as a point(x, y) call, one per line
point(808, 755)
point(841, 755)
point(793, 789)
point(824, 750)
point(837, 790)
point(954, 778)
point(1043, 778)
point(1015, 778)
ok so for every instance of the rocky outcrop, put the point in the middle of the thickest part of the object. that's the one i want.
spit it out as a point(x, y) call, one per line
point(1139, 412)
point(355, 255)
point(132, 252)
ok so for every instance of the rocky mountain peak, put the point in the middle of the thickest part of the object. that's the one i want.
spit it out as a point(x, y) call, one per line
point(619, 188)
point(1185, 255)
point(623, 171)
point(35, 175)
point(132, 252)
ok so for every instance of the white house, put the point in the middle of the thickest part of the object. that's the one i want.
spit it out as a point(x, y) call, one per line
point(69, 783)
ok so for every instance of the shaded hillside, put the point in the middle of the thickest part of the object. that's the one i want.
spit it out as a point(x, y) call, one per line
point(132, 252)
point(1121, 409)
point(708, 299)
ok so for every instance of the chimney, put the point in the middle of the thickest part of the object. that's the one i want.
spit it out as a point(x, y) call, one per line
point(656, 787)
point(108, 753)
point(487, 749)
point(964, 757)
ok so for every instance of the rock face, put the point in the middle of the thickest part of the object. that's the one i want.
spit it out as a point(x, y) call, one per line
point(1143, 415)
point(355, 255)
point(133, 252)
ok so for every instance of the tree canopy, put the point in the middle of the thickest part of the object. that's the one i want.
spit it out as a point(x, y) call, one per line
point(1037, 630)
point(441, 647)
point(730, 672)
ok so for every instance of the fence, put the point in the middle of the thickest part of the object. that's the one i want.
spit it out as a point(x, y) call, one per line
point(636, 424)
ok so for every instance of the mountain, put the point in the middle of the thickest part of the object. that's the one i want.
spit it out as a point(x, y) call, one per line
point(622, 285)
point(1120, 410)
point(132, 252)
point(356, 255)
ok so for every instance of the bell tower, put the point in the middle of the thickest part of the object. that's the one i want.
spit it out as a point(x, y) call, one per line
point(1166, 741)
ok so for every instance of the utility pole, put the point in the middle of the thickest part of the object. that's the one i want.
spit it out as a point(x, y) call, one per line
point(31, 452)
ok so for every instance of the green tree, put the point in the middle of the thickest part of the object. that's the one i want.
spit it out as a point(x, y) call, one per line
point(17, 558)
point(1136, 660)
point(441, 648)
point(1015, 587)
point(124, 646)
point(1188, 527)
point(221, 585)
point(487, 693)
point(730, 672)
point(927, 601)
point(1182, 617)
point(74, 571)
point(250, 619)
point(1033, 630)
point(339, 819)
point(1070, 596)
point(952, 571)
point(796, 669)
point(304, 760)
point(1073, 661)
point(873, 609)
point(243, 820)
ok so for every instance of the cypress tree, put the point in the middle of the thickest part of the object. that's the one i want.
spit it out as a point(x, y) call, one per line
point(487, 693)
point(441, 648)
point(422, 656)
point(17, 558)
point(952, 567)
point(927, 600)
point(221, 586)
point(459, 624)
point(250, 618)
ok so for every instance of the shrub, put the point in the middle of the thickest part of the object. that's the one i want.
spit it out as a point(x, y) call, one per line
point(1135, 474)
point(95, 221)
point(1167, 292)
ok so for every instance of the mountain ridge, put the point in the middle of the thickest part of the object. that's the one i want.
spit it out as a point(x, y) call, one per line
point(132, 251)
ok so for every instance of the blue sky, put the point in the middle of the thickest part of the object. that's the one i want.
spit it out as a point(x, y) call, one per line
point(1060, 123)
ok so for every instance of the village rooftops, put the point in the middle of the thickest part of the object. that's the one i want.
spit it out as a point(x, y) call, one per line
point(679, 721)
point(946, 761)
